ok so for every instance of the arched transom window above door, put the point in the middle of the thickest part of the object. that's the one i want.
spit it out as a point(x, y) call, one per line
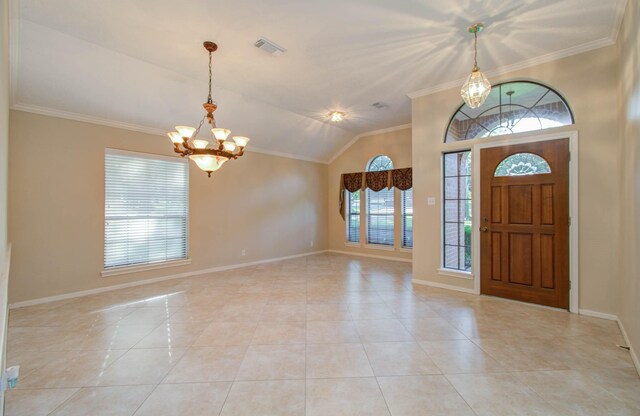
point(521, 164)
point(512, 107)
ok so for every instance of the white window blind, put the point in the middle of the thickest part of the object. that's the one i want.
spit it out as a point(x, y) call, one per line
point(407, 218)
point(380, 214)
point(146, 209)
point(353, 216)
point(380, 217)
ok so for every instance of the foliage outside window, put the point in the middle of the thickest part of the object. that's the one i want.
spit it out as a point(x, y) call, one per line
point(353, 216)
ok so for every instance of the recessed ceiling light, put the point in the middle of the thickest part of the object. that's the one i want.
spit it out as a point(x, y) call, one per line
point(336, 116)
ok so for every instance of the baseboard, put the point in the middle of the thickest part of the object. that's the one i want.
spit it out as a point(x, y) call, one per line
point(81, 293)
point(442, 286)
point(596, 314)
point(610, 317)
point(374, 256)
point(634, 357)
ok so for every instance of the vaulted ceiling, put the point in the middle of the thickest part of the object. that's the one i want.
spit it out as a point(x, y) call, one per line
point(141, 63)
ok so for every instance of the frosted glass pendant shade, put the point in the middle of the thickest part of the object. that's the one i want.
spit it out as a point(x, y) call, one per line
point(476, 89)
point(241, 141)
point(185, 131)
point(175, 137)
point(221, 134)
point(200, 144)
point(208, 163)
point(229, 146)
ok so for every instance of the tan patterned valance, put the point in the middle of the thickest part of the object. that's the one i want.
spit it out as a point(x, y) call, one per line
point(376, 181)
point(402, 178)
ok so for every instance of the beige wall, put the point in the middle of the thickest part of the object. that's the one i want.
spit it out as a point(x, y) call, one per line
point(270, 206)
point(396, 145)
point(589, 82)
point(630, 173)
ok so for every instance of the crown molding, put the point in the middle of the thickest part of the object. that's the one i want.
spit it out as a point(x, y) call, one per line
point(365, 134)
point(14, 50)
point(554, 56)
point(46, 111)
point(621, 8)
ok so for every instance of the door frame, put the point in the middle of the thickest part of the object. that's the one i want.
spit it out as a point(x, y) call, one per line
point(572, 135)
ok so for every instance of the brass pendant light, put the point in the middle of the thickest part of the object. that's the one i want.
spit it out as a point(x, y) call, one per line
point(477, 87)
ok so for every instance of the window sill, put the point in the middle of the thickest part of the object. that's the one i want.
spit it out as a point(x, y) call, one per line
point(143, 267)
point(351, 244)
point(455, 273)
point(406, 249)
point(380, 247)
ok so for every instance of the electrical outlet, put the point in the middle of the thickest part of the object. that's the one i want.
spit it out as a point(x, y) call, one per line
point(244, 252)
point(431, 201)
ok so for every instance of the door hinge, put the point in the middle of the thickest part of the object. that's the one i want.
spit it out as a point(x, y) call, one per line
point(569, 221)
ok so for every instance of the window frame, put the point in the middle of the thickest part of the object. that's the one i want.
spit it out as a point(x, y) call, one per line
point(444, 269)
point(499, 86)
point(403, 218)
point(349, 214)
point(138, 267)
point(368, 214)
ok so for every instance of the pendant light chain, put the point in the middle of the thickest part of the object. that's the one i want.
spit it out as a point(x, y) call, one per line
point(209, 100)
point(475, 50)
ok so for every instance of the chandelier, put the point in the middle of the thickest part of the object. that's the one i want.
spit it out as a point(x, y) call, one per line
point(209, 155)
point(477, 87)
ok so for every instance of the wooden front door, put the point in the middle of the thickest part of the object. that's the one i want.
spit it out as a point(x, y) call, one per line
point(524, 222)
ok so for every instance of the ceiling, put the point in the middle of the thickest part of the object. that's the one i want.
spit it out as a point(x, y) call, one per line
point(140, 64)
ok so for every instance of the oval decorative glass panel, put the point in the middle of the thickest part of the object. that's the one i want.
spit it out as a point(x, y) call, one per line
point(520, 164)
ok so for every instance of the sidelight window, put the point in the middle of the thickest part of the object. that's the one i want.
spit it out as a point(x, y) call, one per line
point(457, 211)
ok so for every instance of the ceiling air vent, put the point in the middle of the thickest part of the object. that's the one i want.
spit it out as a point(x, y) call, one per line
point(380, 105)
point(269, 47)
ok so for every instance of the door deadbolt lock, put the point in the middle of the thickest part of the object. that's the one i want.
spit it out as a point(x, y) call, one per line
point(484, 229)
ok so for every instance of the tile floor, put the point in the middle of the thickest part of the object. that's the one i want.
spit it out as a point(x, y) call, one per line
point(321, 335)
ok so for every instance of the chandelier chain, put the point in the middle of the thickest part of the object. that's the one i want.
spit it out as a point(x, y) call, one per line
point(199, 126)
point(475, 49)
point(209, 97)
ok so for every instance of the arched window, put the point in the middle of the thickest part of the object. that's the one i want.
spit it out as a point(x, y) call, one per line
point(380, 206)
point(512, 107)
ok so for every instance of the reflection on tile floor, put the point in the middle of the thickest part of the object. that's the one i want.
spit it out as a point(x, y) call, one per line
point(321, 335)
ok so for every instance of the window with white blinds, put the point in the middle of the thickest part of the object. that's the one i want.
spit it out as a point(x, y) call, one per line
point(353, 216)
point(146, 209)
point(380, 210)
point(407, 218)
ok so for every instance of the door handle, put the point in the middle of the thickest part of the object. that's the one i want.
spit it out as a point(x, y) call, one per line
point(484, 229)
